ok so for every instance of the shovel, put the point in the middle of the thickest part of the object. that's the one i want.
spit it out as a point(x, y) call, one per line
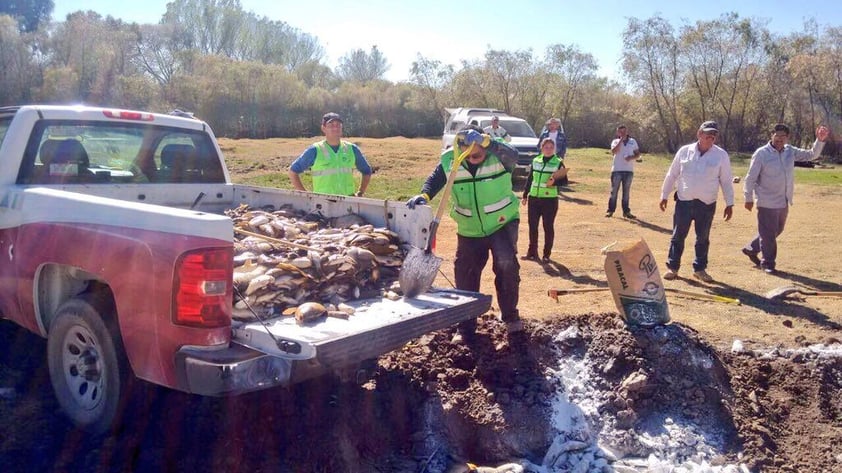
point(782, 293)
point(421, 265)
point(554, 293)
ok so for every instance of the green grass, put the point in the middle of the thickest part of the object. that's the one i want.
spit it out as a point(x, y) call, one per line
point(392, 188)
point(402, 166)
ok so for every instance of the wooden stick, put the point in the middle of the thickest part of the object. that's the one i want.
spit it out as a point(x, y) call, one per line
point(554, 293)
point(274, 240)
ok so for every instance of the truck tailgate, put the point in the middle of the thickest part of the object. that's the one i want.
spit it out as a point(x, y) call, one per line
point(377, 327)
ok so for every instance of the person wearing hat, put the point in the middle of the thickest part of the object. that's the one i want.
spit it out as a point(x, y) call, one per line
point(487, 215)
point(541, 198)
point(552, 129)
point(770, 180)
point(332, 162)
point(696, 174)
point(496, 131)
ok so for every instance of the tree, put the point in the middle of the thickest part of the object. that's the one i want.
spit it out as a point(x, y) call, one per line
point(30, 14)
point(720, 55)
point(651, 61)
point(572, 68)
point(18, 72)
point(210, 26)
point(359, 66)
point(432, 77)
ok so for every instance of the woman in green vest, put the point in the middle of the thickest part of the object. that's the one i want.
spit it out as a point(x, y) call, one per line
point(332, 162)
point(487, 216)
point(541, 195)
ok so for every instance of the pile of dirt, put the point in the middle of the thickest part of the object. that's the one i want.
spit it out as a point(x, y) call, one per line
point(439, 403)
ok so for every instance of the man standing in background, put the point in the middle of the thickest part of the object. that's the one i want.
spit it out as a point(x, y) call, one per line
point(496, 131)
point(770, 179)
point(625, 151)
point(332, 162)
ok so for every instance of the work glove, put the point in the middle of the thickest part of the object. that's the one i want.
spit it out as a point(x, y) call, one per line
point(420, 199)
point(467, 137)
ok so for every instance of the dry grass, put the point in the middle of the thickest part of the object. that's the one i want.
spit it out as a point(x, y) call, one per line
point(806, 249)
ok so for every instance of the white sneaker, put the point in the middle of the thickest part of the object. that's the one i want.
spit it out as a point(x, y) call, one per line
point(669, 275)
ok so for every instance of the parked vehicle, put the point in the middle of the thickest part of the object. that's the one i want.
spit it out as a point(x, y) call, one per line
point(523, 137)
point(116, 249)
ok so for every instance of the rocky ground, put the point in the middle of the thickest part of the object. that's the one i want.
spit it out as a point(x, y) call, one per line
point(583, 393)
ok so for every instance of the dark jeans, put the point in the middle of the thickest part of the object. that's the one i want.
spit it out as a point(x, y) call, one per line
point(541, 208)
point(687, 212)
point(770, 224)
point(471, 257)
point(617, 178)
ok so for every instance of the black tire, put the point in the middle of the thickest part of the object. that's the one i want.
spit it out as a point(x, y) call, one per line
point(87, 366)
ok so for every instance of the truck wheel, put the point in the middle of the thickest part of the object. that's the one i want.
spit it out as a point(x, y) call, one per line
point(87, 366)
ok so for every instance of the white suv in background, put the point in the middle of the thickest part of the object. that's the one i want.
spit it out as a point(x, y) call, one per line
point(523, 137)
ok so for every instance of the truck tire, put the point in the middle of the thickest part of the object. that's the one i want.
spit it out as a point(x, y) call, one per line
point(87, 366)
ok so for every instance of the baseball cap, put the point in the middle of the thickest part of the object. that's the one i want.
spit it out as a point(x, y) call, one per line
point(709, 126)
point(329, 117)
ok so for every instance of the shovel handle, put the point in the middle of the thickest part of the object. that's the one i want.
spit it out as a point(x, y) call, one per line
point(702, 295)
point(822, 293)
point(554, 293)
point(446, 195)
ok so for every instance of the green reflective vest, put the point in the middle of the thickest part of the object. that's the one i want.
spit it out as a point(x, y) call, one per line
point(481, 204)
point(541, 173)
point(333, 170)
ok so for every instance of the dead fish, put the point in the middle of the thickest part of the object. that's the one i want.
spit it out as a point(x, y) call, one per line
point(309, 311)
point(258, 283)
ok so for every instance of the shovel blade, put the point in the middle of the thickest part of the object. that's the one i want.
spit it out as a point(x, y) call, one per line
point(782, 293)
point(418, 272)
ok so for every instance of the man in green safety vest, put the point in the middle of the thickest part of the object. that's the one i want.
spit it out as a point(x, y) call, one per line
point(487, 215)
point(331, 162)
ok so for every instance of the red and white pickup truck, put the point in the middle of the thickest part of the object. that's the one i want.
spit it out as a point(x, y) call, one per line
point(118, 252)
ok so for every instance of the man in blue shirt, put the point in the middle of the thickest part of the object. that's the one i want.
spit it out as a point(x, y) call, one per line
point(332, 161)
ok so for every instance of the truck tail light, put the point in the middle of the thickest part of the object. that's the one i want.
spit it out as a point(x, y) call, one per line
point(129, 115)
point(204, 288)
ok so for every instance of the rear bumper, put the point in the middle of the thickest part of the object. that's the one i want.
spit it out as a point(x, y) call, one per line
point(229, 371)
point(263, 364)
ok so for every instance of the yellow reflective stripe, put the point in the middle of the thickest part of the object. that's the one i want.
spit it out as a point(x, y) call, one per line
point(497, 205)
point(329, 171)
point(463, 211)
point(490, 169)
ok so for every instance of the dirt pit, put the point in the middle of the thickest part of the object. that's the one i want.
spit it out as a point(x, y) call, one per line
point(575, 393)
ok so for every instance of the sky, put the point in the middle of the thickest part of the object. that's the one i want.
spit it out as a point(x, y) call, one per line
point(454, 30)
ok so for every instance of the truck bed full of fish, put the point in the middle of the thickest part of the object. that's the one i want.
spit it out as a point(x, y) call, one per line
point(287, 262)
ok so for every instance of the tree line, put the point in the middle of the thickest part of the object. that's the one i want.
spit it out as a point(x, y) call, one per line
point(249, 76)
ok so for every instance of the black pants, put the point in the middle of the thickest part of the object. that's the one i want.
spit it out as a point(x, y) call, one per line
point(701, 216)
point(541, 208)
point(471, 257)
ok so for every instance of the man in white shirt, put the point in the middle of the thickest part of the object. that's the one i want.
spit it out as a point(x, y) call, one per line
point(697, 173)
point(496, 131)
point(625, 151)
